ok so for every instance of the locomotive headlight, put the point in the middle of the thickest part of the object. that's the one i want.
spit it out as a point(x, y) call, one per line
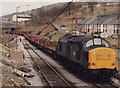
point(109, 56)
point(99, 56)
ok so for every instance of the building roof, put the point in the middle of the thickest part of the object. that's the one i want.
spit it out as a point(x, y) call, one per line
point(62, 30)
point(103, 19)
point(91, 20)
point(84, 21)
point(7, 25)
point(99, 20)
point(117, 21)
point(110, 20)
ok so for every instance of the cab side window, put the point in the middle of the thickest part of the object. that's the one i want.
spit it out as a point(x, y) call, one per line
point(105, 43)
point(89, 43)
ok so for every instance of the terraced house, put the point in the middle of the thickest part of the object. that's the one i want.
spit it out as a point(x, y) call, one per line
point(106, 26)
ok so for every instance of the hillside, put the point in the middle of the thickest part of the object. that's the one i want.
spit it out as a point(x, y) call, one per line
point(47, 13)
point(75, 11)
point(69, 17)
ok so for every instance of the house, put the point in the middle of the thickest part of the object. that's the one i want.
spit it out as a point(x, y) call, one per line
point(7, 27)
point(88, 26)
point(21, 18)
point(97, 23)
point(82, 24)
point(109, 27)
point(106, 25)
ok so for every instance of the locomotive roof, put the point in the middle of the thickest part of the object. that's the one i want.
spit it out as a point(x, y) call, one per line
point(77, 39)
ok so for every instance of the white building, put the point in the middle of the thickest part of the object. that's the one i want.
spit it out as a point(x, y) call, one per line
point(110, 27)
point(107, 26)
point(88, 26)
point(21, 18)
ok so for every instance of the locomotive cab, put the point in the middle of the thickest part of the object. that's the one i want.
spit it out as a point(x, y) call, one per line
point(99, 58)
point(100, 54)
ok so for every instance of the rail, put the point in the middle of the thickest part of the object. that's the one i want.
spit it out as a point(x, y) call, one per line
point(108, 84)
point(53, 78)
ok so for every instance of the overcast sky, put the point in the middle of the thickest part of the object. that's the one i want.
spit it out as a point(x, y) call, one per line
point(9, 6)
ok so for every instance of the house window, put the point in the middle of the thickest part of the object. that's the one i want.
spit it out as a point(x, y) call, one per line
point(105, 26)
point(114, 31)
point(97, 30)
point(97, 25)
point(117, 31)
point(88, 30)
point(115, 28)
point(106, 30)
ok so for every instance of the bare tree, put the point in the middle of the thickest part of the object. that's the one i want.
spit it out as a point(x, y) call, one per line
point(104, 7)
point(91, 6)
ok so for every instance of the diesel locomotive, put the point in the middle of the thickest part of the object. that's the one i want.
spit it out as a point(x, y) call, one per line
point(88, 53)
point(91, 53)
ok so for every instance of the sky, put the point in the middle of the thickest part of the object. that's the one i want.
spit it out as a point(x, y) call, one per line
point(9, 6)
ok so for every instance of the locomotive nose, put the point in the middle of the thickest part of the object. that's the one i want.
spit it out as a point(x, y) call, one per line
point(102, 58)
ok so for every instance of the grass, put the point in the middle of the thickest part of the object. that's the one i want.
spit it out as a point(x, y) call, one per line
point(70, 23)
point(56, 37)
point(113, 42)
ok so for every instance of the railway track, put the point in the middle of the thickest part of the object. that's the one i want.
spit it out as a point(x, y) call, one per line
point(51, 76)
point(114, 83)
point(106, 85)
point(48, 73)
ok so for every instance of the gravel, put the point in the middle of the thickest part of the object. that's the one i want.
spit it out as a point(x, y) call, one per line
point(8, 77)
point(70, 77)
